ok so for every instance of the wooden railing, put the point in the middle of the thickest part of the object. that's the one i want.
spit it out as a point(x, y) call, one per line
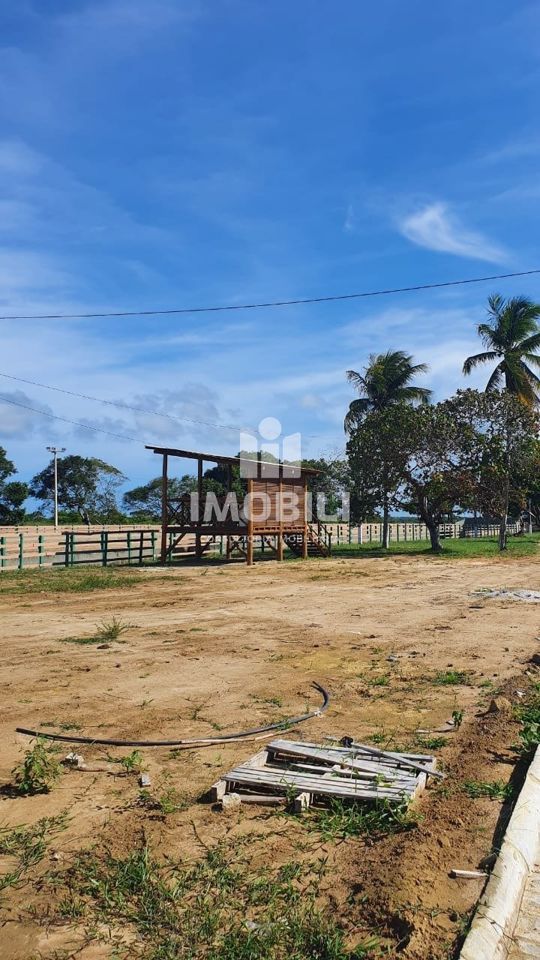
point(323, 534)
point(408, 531)
point(27, 549)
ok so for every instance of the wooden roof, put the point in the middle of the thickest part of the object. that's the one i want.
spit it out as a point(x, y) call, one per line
point(234, 461)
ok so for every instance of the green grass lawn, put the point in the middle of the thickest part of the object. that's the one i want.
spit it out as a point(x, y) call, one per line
point(74, 580)
point(467, 547)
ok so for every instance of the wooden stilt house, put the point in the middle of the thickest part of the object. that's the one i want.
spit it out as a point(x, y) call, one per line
point(272, 512)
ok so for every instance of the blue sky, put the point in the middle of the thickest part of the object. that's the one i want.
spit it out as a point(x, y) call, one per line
point(159, 153)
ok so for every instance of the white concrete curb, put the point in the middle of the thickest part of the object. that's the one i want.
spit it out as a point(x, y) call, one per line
point(490, 936)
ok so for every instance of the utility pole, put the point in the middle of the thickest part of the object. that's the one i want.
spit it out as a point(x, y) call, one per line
point(55, 451)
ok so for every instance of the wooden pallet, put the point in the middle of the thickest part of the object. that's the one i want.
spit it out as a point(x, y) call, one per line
point(313, 774)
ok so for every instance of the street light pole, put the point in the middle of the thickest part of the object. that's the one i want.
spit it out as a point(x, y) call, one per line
point(55, 451)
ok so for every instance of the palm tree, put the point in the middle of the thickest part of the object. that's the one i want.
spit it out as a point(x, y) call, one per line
point(386, 380)
point(512, 338)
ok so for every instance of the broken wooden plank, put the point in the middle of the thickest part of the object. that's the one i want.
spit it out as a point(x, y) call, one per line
point(217, 791)
point(328, 756)
point(262, 798)
point(302, 802)
point(346, 773)
point(313, 783)
point(403, 760)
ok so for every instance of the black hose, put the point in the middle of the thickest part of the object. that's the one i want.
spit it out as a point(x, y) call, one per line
point(198, 742)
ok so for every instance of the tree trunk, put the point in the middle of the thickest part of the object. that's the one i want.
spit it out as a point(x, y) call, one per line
point(434, 536)
point(503, 535)
point(425, 514)
point(503, 539)
point(386, 525)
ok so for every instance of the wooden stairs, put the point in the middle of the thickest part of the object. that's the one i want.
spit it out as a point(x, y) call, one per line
point(319, 541)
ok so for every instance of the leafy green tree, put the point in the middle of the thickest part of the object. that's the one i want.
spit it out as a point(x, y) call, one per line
point(385, 381)
point(86, 485)
point(407, 458)
point(143, 503)
point(13, 493)
point(329, 483)
point(475, 450)
point(502, 454)
point(513, 339)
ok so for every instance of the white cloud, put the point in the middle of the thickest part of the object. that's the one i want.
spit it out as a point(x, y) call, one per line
point(350, 219)
point(16, 419)
point(436, 228)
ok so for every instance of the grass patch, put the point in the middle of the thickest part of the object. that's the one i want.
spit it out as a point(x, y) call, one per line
point(216, 909)
point(39, 770)
point(106, 632)
point(494, 789)
point(449, 678)
point(431, 743)
point(28, 845)
point(529, 717)
point(341, 819)
point(131, 763)
point(460, 548)
point(23, 582)
point(164, 799)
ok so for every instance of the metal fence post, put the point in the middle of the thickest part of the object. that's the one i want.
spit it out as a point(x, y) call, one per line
point(2, 551)
point(40, 549)
point(104, 546)
point(141, 545)
point(21, 551)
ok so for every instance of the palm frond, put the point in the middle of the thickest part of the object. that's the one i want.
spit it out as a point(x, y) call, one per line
point(532, 358)
point(530, 344)
point(488, 335)
point(495, 303)
point(517, 381)
point(356, 378)
point(531, 376)
point(355, 412)
point(496, 377)
point(421, 394)
point(477, 358)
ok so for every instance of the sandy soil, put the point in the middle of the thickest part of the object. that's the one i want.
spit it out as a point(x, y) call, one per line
point(212, 648)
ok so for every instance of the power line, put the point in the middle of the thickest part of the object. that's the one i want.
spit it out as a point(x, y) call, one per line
point(127, 406)
point(270, 303)
point(87, 426)
point(235, 428)
point(76, 423)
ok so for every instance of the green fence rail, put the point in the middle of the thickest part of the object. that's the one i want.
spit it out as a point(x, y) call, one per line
point(28, 550)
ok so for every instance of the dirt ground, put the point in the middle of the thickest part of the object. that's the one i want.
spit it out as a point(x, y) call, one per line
point(215, 648)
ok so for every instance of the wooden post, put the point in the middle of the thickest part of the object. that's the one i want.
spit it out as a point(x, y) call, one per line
point(306, 528)
point(2, 551)
point(280, 535)
point(41, 538)
point(141, 547)
point(153, 544)
point(164, 509)
point(104, 546)
point(128, 538)
point(249, 548)
point(21, 551)
point(198, 549)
